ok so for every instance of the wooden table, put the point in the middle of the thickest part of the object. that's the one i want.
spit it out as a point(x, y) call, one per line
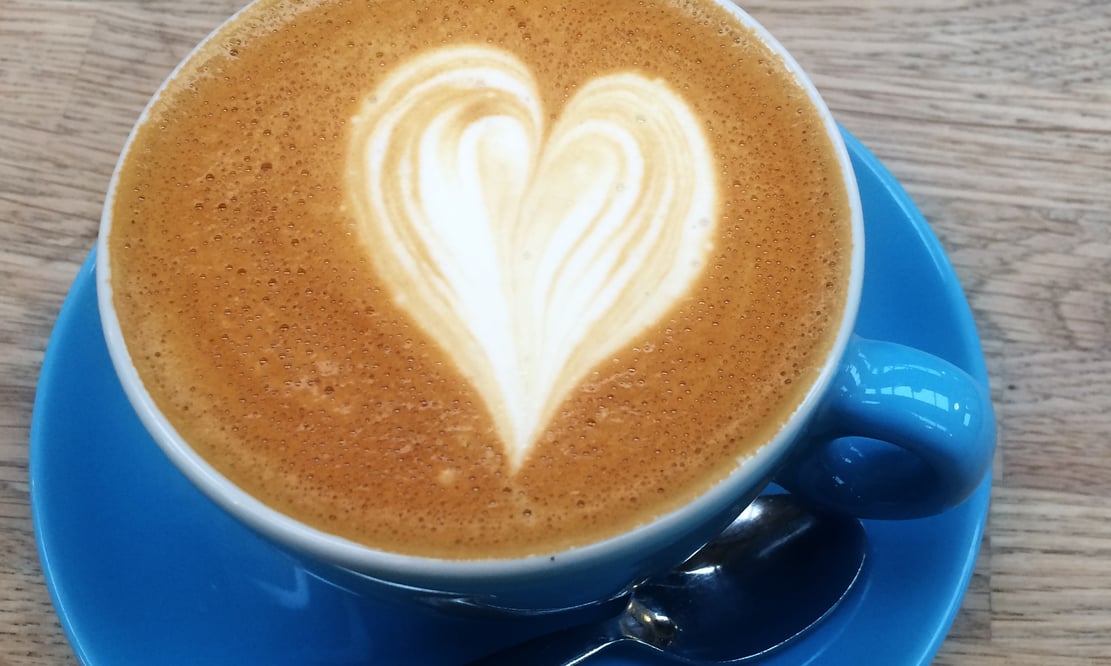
point(996, 116)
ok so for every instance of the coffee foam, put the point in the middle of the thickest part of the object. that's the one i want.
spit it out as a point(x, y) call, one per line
point(529, 254)
point(273, 342)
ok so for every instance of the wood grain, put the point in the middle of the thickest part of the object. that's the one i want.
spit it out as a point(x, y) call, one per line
point(996, 116)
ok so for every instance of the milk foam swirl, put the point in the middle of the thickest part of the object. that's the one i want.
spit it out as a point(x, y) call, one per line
point(529, 253)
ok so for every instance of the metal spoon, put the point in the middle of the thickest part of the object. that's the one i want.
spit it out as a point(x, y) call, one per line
point(777, 571)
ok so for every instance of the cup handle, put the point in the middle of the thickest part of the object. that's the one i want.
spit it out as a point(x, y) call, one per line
point(900, 434)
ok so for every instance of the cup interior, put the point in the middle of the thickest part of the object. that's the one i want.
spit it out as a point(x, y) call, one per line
point(570, 578)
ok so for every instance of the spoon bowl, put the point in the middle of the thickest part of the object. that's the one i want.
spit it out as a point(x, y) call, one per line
point(773, 574)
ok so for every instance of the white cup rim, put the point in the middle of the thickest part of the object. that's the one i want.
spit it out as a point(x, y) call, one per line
point(422, 570)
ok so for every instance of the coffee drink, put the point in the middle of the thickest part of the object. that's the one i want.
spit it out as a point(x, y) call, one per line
point(484, 278)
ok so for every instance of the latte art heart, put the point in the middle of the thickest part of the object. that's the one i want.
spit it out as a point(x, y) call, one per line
point(529, 253)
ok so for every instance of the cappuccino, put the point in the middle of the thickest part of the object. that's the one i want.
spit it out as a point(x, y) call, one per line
point(481, 279)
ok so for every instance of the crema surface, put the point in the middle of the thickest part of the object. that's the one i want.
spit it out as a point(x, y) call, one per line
point(479, 279)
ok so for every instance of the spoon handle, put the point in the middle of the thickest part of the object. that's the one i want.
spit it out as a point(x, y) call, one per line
point(563, 648)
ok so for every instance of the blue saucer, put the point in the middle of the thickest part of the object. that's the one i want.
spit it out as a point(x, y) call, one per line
point(144, 569)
